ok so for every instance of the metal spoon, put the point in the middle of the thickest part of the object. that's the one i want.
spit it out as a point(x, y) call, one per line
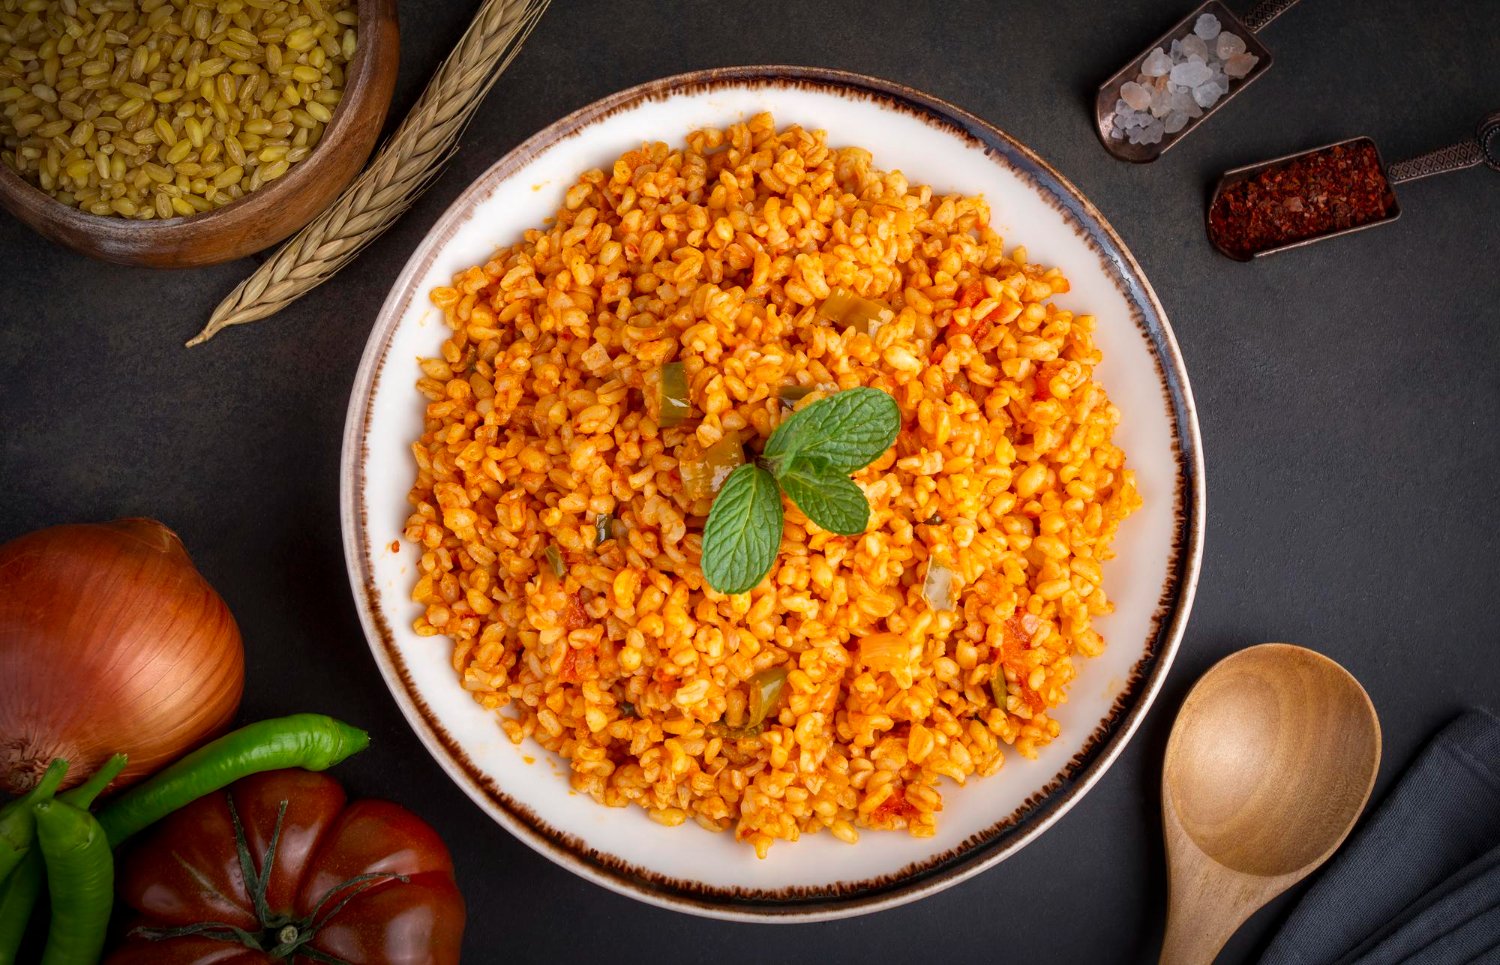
point(1245, 27)
point(1268, 767)
point(1482, 148)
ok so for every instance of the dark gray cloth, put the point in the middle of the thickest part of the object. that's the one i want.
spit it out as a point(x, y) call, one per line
point(1420, 882)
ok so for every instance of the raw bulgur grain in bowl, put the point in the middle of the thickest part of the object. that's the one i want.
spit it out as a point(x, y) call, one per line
point(528, 789)
point(560, 540)
point(157, 109)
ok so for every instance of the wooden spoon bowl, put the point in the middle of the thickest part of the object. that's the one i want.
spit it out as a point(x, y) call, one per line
point(261, 218)
point(1269, 765)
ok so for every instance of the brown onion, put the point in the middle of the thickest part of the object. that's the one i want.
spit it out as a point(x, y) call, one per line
point(110, 641)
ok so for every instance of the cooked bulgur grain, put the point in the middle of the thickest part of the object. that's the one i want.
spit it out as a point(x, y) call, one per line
point(159, 108)
point(541, 418)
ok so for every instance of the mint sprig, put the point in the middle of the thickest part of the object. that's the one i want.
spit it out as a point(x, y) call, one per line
point(743, 531)
point(809, 457)
point(846, 431)
point(825, 496)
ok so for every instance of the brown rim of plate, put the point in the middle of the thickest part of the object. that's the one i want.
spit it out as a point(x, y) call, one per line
point(979, 851)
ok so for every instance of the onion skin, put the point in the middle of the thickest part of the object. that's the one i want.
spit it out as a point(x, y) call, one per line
point(110, 642)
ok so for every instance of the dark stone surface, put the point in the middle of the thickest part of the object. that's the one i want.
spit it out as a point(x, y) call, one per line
point(1348, 393)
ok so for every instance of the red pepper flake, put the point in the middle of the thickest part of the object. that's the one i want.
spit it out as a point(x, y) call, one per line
point(1045, 373)
point(1314, 194)
point(577, 665)
point(893, 807)
point(1016, 634)
point(1016, 638)
point(576, 617)
point(971, 293)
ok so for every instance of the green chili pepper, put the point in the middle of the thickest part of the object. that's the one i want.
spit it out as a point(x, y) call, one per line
point(790, 395)
point(998, 689)
point(601, 529)
point(674, 395)
point(310, 741)
point(704, 475)
point(19, 893)
point(843, 307)
point(18, 823)
point(555, 560)
point(84, 794)
point(765, 694)
point(80, 879)
point(720, 729)
point(18, 896)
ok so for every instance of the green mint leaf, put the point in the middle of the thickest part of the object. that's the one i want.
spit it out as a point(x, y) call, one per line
point(743, 531)
point(845, 431)
point(826, 496)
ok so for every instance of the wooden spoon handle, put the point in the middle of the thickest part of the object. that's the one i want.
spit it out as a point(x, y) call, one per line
point(1199, 922)
point(1206, 902)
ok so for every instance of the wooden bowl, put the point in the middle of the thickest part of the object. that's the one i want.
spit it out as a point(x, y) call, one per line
point(261, 218)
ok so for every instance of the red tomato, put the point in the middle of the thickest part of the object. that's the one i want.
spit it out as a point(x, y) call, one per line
point(367, 883)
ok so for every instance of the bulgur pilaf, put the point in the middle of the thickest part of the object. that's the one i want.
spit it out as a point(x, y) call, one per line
point(910, 653)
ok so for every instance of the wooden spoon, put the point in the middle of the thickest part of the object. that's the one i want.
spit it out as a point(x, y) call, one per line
point(1269, 765)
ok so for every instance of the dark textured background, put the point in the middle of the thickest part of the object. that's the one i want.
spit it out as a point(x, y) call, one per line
point(1348, 395)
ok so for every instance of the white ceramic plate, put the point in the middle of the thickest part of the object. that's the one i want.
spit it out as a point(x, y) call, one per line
point(1152, 581)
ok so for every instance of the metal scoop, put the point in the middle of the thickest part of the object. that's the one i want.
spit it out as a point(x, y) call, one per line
point(1482, 148)
point(1244, 27)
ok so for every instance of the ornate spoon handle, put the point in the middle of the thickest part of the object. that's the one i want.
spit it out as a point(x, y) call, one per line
point(1482, 148)
point(1264, 12)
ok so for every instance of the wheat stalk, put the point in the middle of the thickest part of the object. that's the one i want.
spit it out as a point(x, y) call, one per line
point(403, 169)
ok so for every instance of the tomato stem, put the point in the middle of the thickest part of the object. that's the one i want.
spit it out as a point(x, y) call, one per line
point(256, 884)
point(286, 937)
